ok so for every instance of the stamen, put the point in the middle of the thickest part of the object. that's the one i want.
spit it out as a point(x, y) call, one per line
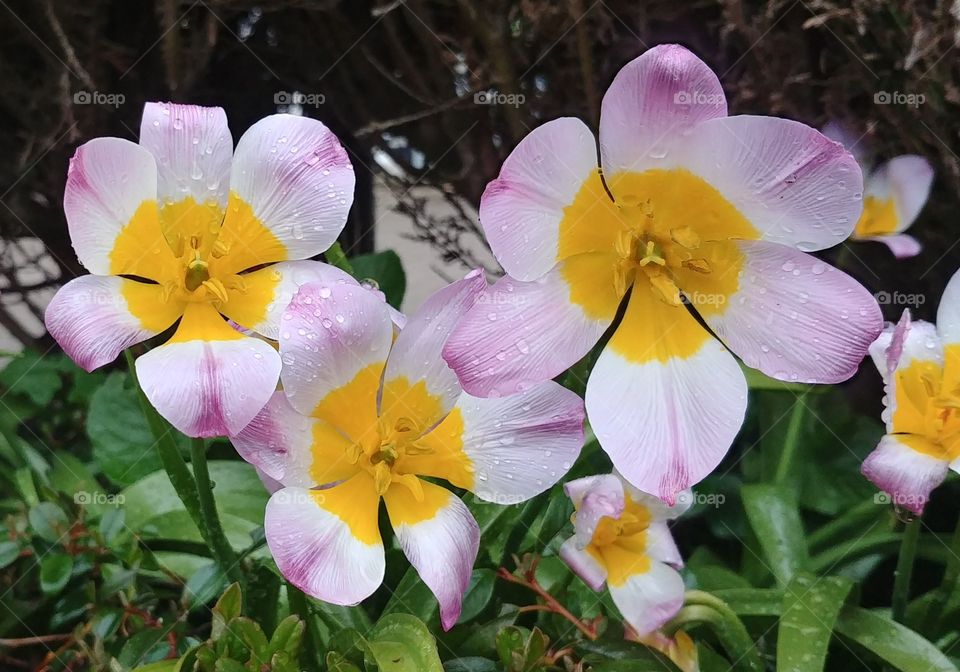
point(652, 255)
point(220, 249)
point(382, 478)
point(666, 288)
point(698, 265)
point(354, 452)
point(215, 287)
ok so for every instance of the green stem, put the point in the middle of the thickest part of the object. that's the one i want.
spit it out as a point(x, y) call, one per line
point(336, 257)
point(184, 483)
point(904, 571)
point(301, 607)
point(222, 550)
point(948, 584)
point(840, 528)
point(791, 441)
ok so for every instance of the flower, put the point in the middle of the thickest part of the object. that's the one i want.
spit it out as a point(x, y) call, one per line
point(362, 418)
point(621, 538)
point(920, 365)
point(182, 228)
point(689, 207)
point(893, 195)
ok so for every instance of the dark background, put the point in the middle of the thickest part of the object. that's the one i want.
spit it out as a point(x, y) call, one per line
point(400, 76)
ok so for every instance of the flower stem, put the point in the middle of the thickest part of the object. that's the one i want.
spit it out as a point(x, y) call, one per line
point(222, 550)
point(336, 256)
point(184, 483)
point(904, 571)
point(301, 607)
point(791, 441)
point(529, 580)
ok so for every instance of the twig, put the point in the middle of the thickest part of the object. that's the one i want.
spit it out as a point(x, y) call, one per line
point(529, 580)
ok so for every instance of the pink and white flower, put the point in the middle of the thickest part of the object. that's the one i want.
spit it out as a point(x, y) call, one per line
point(622, 539)
point(363, 417)
point(692, 216)
point(920, 365)
point(182, 227)
point(894, 193)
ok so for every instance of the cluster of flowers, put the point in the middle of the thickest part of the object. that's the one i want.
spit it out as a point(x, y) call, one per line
point(693, 220)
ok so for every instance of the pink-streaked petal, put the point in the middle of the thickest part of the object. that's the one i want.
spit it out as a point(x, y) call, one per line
point(667, 424)
point(652, 101)
point(522, 333)
point(109, 181)
point(902, 245)
point(274, 287)
point(294, 449)
point(907, 475)
point(648, 600)
point(516, 446)
point(298, 181)
point(609, 484)
point(521, 210)
point(604, 499)
point(91, 319)
point(319, 551)
point(329, 334)
point(793, 184)
point(948, 312)
point(193, 148)
point(271, 485)
point(583, 564)
point(661, 546)
point(795, 318)
point(415, 358)
point(907, 180)
point(660, 510)
point(209, 385)
point(440, 538)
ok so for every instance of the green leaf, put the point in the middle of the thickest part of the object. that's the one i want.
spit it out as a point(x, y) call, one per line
point(810, 609)
point(472, 664)
point(402, 643)
point(897, 645)
point(55, 571)
point(121, 439)
point(111, 524)
point(35, 376)
point(48, 520)
point(204, 585)
point(385, 269)
point(227, 608)
point(159, 666)
point(9, 552)
point(775, 520)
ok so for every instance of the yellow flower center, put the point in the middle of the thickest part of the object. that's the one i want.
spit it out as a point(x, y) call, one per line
point(381, 453)
point(879, 218)
point(927, 404)
point(620, 544)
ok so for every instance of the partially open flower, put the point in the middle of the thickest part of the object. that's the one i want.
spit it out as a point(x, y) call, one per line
point(181, 227)
point(920, 365)
point(363, 418)
point(621, 538)
point(894, 193)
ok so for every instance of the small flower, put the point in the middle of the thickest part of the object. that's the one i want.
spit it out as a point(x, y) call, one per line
point(621, 538)
point(920, 365)
point(181, 227)
point(692, 214)
point(894, 193)
point(363, 417)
